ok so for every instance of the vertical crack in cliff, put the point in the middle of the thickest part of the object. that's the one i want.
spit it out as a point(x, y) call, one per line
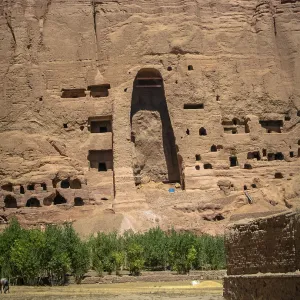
point(274, 23)
point(8, 23)
point(95, 30)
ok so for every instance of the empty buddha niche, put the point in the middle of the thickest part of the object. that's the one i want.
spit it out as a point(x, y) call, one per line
point(154, 152)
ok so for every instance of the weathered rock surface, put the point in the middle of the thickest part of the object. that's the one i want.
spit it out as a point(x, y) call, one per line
point(106, 105)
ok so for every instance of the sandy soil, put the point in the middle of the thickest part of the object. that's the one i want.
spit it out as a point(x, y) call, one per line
point(206, 290)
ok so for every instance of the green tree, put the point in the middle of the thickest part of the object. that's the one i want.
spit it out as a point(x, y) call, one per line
point(78, 252)
point(7, 239)
point(26, 255)
point(135, 258)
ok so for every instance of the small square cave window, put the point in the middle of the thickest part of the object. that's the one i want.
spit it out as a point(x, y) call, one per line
point(190, 68)
point(198, 157)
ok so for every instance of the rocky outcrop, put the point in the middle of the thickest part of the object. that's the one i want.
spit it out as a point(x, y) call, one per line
point(133, 98)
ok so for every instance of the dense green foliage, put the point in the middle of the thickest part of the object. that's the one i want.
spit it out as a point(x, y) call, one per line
point(31, 256)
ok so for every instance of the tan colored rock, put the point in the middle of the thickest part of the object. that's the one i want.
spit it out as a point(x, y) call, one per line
point(134, 98)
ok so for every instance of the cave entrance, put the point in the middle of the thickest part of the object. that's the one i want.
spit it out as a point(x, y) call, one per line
point(155, 153)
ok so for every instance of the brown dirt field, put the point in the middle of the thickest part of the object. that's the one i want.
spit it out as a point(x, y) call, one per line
point(206, 290)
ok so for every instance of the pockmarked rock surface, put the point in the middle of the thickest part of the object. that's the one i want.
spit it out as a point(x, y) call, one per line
point(108, 107)
point(263, 258)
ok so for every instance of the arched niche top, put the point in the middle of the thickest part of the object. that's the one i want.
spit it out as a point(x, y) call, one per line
point(148, 77)
point(146, 73)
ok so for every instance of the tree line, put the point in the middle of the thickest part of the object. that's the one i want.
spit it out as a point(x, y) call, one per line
point(33, 256)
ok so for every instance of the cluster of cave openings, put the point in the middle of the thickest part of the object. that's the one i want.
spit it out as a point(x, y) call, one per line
point(101, 160)
point(10, 202)
point(73, 93)
point(272, 126)
point(236, 126)
point(100, 124)
point(275, 156)
point(73, 184)
point(97, 91)
point(254, 155)
point(151, 128)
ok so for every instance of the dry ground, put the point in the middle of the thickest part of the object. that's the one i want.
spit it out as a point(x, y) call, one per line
point(206, 290)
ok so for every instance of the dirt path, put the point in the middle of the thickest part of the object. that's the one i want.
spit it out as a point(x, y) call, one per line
point(206, 290)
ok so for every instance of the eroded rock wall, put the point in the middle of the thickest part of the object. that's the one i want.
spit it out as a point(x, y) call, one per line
point(231, 79)
point(263, 258)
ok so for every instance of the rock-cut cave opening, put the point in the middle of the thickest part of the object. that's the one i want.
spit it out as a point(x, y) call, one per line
point(155, 154)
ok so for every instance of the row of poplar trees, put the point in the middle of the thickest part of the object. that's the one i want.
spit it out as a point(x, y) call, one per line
point(32, 256)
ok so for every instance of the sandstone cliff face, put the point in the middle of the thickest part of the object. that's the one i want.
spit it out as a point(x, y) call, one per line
point(79, 119)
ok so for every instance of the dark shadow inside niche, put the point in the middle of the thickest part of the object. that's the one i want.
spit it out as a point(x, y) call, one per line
point(59, 199)
point(197, 167)
point(33, 202)
point(44, 186)
point(279, 156)
point(65, 184)
point(264, 152)
point(7, 187)
point(254, 186)
point(22, 190)
point(278, 175)
point(220, 147)
point(207, 166)
point(193, 106)
point(271, 156)
point(254, 155)
point(272, 125)
point(245, 188)
point(30, 187)
point(202, 131)
point(247, 167)
point(73, 93)
point(10, 202)
point(75, 184)
point(78, 201)
point(149, 114)
point(190, 68)
point(187, 132)
point(292, 154)
point(198, 157)
point(233, 161)
point(213, 148)
point(98, 91)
